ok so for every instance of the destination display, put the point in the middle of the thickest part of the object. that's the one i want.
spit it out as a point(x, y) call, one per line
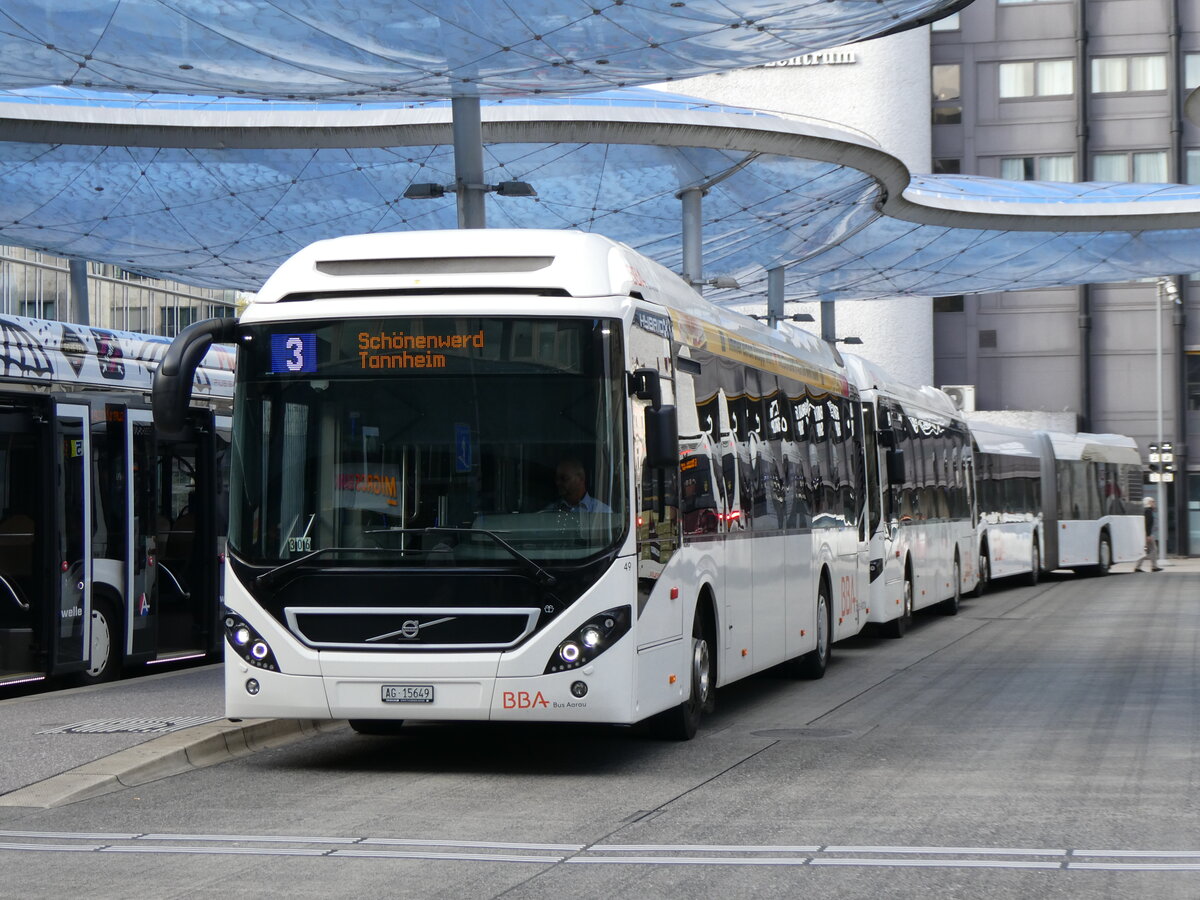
point(369, 347)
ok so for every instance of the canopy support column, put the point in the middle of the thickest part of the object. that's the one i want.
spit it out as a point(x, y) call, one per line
point(828, 322)
point(468, 162)
point(774, 295)
point(79, 312)
point(693, 238)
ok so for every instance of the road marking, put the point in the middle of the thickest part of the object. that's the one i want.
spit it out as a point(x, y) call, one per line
point(695, 860)
point(549, 854)
point(698, 848)
point(58, 848)
point(980, 851)
point(939, 863)
point(1151, 854)
point(427, 855)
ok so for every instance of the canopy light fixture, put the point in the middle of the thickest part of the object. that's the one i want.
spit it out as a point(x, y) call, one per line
point(428, 190)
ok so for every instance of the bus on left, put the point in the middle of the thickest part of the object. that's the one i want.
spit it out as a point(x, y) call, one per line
point(111, 532)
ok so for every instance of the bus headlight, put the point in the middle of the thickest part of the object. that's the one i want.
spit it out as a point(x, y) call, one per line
point(247, 643)
point(591, 639)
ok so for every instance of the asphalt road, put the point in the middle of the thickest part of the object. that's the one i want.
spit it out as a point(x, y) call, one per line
point(1041, 743)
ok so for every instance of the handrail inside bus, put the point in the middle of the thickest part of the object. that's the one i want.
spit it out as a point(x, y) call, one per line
point(16, 597)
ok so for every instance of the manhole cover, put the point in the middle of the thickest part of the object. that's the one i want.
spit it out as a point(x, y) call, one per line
point(131, 726)
point(793, 734)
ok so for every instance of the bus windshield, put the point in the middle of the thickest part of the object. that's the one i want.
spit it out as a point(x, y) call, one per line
point(429, 441)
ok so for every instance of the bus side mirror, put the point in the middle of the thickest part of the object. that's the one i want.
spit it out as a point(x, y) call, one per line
point(662, 437)
point(172, 386)
point(895, 466)
point(662, 426)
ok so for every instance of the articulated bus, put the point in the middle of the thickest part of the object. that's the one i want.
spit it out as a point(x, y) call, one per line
point(920, 498)
point(524, 476)
point(109, 531)
point(1049, 500)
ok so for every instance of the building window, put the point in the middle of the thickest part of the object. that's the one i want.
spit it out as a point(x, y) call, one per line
point(1191, 71)
point(952, 304)
point(1148, 166)
point(1038, 168)
point(1193, 379)
point(947, 94)
point(1129, 74)
point(948, 166)
point(950, 23)
point(1193, 167)
point(1039, 78)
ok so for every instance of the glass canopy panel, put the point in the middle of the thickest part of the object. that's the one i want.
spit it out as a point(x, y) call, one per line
point(388, 50)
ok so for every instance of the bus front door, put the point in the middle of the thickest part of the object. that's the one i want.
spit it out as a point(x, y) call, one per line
point(25, 472)
point(70, 626)
point(185, 549)
point(143, 611)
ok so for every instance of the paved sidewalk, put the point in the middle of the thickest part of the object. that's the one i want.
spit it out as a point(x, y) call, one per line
point(64, 746)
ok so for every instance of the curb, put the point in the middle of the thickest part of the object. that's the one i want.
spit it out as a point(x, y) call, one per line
point(173, 754)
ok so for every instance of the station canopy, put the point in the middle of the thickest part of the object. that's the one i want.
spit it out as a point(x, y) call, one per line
point(179, 140)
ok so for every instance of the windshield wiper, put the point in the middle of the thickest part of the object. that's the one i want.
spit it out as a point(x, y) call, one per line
point(266, 579)
point(540, 575)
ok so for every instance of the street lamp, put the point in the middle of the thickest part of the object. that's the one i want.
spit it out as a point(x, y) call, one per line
point(1164, 286)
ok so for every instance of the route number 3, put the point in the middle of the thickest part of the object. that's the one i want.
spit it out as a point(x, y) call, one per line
point(296, 346)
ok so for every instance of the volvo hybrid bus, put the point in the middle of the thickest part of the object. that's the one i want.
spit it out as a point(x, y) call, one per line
point(523, 476)
point(1051, 500)
point(110, 531)
point(920, 498)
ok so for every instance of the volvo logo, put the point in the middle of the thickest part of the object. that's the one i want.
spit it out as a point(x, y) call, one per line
point(410, 630)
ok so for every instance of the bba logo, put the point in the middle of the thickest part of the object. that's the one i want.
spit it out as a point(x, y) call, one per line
point(523, 700)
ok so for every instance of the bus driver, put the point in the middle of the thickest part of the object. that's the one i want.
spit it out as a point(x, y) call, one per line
point(571, 483)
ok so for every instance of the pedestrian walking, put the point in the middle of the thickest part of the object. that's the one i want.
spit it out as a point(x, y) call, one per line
point(1151, 554)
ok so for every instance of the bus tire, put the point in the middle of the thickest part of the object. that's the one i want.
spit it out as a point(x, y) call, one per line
point(812, 665)
point(681, 723)
point(896, 628)
point(985, 573)
point(1104, 556)
point(951, 606)
point(1035, 559)
point(104, 657)
point(376, 727)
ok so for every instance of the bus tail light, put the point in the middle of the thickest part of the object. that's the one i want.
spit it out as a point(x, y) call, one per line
point(247, 643)
point(592, 638)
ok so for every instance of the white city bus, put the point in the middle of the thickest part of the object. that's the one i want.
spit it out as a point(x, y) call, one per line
point(110, 531)
point(1050, 500)
point(1008, 488)
point(406, 407)
point(1094, 514)
point(920, 503)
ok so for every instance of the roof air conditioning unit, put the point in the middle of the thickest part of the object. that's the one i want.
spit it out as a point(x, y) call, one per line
point(963, 395)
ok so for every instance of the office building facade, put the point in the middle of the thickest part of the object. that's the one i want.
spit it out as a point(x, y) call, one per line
point(1077, 91)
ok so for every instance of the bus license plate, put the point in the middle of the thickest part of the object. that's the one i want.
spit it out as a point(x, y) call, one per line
point(408, 693)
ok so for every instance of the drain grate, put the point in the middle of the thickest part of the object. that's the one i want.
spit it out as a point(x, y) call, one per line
point(131, 726)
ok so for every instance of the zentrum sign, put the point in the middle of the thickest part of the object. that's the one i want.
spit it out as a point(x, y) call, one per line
point(824, 58)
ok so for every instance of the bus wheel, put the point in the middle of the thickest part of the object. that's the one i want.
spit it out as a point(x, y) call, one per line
point(950, 607)
point(379, 727)
point(895, 629)
point(1105, 557)
point(1035, 558)
point(682, 722)
point(104, 658)
point(985, 574)
point(813, 664)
